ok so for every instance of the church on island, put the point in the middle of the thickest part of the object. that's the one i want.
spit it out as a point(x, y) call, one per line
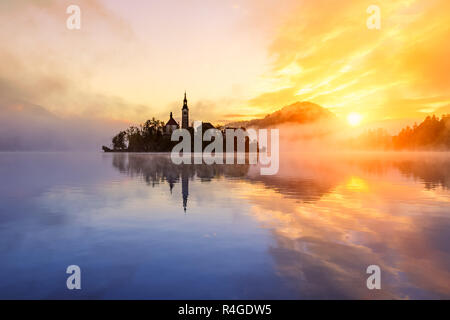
point(172, 125)
point(154, 136)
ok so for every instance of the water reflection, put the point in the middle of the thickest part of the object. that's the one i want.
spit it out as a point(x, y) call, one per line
point(330, 220)
point(141, 227)
point(300, 177)
point(433, 170)
point(156, 169)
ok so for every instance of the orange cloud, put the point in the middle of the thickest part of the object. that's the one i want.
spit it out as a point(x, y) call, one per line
point(325, 54)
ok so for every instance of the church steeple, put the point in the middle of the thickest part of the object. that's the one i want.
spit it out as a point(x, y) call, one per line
point(185, 106)
point(185, 114)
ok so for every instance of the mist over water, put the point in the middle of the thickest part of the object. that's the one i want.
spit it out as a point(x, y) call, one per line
point(141, 227)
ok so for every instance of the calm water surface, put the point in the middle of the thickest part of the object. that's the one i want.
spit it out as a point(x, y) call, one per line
point(141, 227)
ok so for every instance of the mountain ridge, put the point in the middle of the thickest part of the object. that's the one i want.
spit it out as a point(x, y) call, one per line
point(300, 112)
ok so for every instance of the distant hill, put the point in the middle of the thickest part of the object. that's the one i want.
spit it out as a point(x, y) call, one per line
point(296, 113)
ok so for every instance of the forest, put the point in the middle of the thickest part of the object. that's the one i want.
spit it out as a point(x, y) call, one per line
point(148, 137)
point(433, 133)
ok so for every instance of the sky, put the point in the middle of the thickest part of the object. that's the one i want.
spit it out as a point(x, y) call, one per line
point(237, 59)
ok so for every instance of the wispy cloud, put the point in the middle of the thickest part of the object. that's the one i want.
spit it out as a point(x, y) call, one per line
point(325, 53)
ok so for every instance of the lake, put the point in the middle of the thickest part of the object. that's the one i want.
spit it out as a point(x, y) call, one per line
point(140, 227)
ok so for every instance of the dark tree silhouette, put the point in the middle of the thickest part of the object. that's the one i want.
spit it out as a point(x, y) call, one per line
point(119, 141)
point(148, 137)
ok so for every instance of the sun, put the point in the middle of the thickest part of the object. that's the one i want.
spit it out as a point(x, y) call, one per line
point(354, 119)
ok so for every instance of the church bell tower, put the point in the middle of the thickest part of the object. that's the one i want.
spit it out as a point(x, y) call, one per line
point(185, 114)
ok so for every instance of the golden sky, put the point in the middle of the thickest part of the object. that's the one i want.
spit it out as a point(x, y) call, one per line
point(326, 54)
point(237, 59)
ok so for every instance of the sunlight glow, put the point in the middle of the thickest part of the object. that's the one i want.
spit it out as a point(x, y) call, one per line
point(354, 119)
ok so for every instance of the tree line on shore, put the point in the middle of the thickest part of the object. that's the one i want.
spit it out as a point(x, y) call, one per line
point(433, 133)
point(151, 137)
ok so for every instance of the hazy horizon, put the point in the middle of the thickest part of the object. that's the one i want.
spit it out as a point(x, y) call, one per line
point(64, 89)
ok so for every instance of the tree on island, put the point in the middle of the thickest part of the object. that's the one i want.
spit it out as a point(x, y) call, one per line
point(148, 137)
point(119, 141)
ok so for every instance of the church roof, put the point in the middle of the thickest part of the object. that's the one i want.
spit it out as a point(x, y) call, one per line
point(171, 121)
